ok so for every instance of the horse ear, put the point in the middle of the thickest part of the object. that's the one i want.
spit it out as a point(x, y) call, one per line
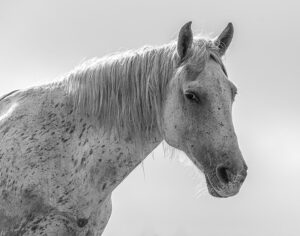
point(185, 40)
point(224, 40)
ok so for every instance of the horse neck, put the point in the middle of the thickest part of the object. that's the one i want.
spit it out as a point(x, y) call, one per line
point(124, 98)
point(125, 92)
point(108, 157)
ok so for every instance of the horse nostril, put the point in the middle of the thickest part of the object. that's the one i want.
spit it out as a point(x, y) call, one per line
point(223, 174)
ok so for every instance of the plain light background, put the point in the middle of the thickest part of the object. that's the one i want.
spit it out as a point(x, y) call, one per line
point(41, 40)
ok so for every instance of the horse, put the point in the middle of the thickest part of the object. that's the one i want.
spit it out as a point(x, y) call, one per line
point(65, 146)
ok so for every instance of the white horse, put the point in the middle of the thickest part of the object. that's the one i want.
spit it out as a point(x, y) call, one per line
point(66, 146)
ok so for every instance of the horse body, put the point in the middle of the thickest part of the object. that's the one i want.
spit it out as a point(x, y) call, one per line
point(67, 145)
point(58, 168)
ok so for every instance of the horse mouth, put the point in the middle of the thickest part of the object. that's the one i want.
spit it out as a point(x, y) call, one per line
point(212, 189)
point(221, 192)
point(220, 183)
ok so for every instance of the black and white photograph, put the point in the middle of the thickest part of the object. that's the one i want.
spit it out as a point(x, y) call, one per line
point(149, 118)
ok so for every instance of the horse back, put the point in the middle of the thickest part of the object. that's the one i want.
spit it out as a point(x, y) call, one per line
point(29, 148)
point(47, 162)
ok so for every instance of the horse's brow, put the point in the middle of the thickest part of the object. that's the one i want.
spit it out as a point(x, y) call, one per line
point(213, 57)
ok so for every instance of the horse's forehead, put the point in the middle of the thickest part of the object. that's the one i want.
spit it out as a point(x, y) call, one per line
point(214, 69)
point(213, 76)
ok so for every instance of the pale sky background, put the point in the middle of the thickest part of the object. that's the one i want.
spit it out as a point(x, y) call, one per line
point(41, 40)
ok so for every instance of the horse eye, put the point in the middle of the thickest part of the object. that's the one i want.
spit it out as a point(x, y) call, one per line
point(192, 97)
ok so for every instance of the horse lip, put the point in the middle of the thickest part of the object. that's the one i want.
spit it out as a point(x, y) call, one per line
point(223, 191)
point(214, 191)
point(211, 189)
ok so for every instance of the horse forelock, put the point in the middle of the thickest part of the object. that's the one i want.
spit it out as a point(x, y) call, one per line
point(125, 91)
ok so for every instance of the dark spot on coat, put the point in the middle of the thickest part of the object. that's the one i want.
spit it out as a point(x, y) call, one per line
point(91, 151)
point(103, 186)
point(120, 155)
point(30, 217)
point(60, 199)
point(37, 221)
point(72, 129)
point(82, 222)
point(6, 130)
point(19, 117)
point(64, 140)
point(82, 131)
point(5, 194)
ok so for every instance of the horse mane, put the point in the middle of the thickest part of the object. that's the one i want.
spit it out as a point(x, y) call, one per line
point(125, 91)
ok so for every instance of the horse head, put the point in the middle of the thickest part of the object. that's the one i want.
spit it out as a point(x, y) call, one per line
point(197, 114)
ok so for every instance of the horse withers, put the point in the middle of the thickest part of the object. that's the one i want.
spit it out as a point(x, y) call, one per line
point(65, 146)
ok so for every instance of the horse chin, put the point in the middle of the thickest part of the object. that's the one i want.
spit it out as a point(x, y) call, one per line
point(213, 190)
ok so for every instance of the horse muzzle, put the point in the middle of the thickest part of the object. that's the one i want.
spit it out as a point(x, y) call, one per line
point(225, 181)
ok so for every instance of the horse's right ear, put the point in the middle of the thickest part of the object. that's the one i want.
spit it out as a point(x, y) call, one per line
point(224, 40)
point(185, 40)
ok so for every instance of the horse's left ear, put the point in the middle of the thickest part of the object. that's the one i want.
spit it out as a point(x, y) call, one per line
point(185, 40)
point(224, 40)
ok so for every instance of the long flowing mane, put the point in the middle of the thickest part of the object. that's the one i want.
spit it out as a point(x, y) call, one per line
point(126, 91)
